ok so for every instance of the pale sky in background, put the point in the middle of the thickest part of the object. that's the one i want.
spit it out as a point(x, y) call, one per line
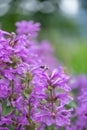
point(69, 7)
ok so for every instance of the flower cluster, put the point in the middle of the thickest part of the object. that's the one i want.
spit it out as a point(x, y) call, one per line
point(80, 115)
point(33, 89)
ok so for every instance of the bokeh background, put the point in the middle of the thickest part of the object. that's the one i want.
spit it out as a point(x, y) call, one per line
point(63, 23)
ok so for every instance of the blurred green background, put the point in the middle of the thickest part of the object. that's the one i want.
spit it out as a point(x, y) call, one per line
point(63, 23)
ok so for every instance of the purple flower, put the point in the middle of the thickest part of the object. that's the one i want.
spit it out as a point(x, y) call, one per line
point(6, 120)
point(3, 128)
point(60, 117)
point(4, 88)
point(20, 105)
point(33, 91)
point(28, 27)
point(80, 122)
point(22, 120)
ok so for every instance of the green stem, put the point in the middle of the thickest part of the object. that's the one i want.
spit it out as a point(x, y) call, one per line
point(51, 93)
point(31, 124)
point(12, 84)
